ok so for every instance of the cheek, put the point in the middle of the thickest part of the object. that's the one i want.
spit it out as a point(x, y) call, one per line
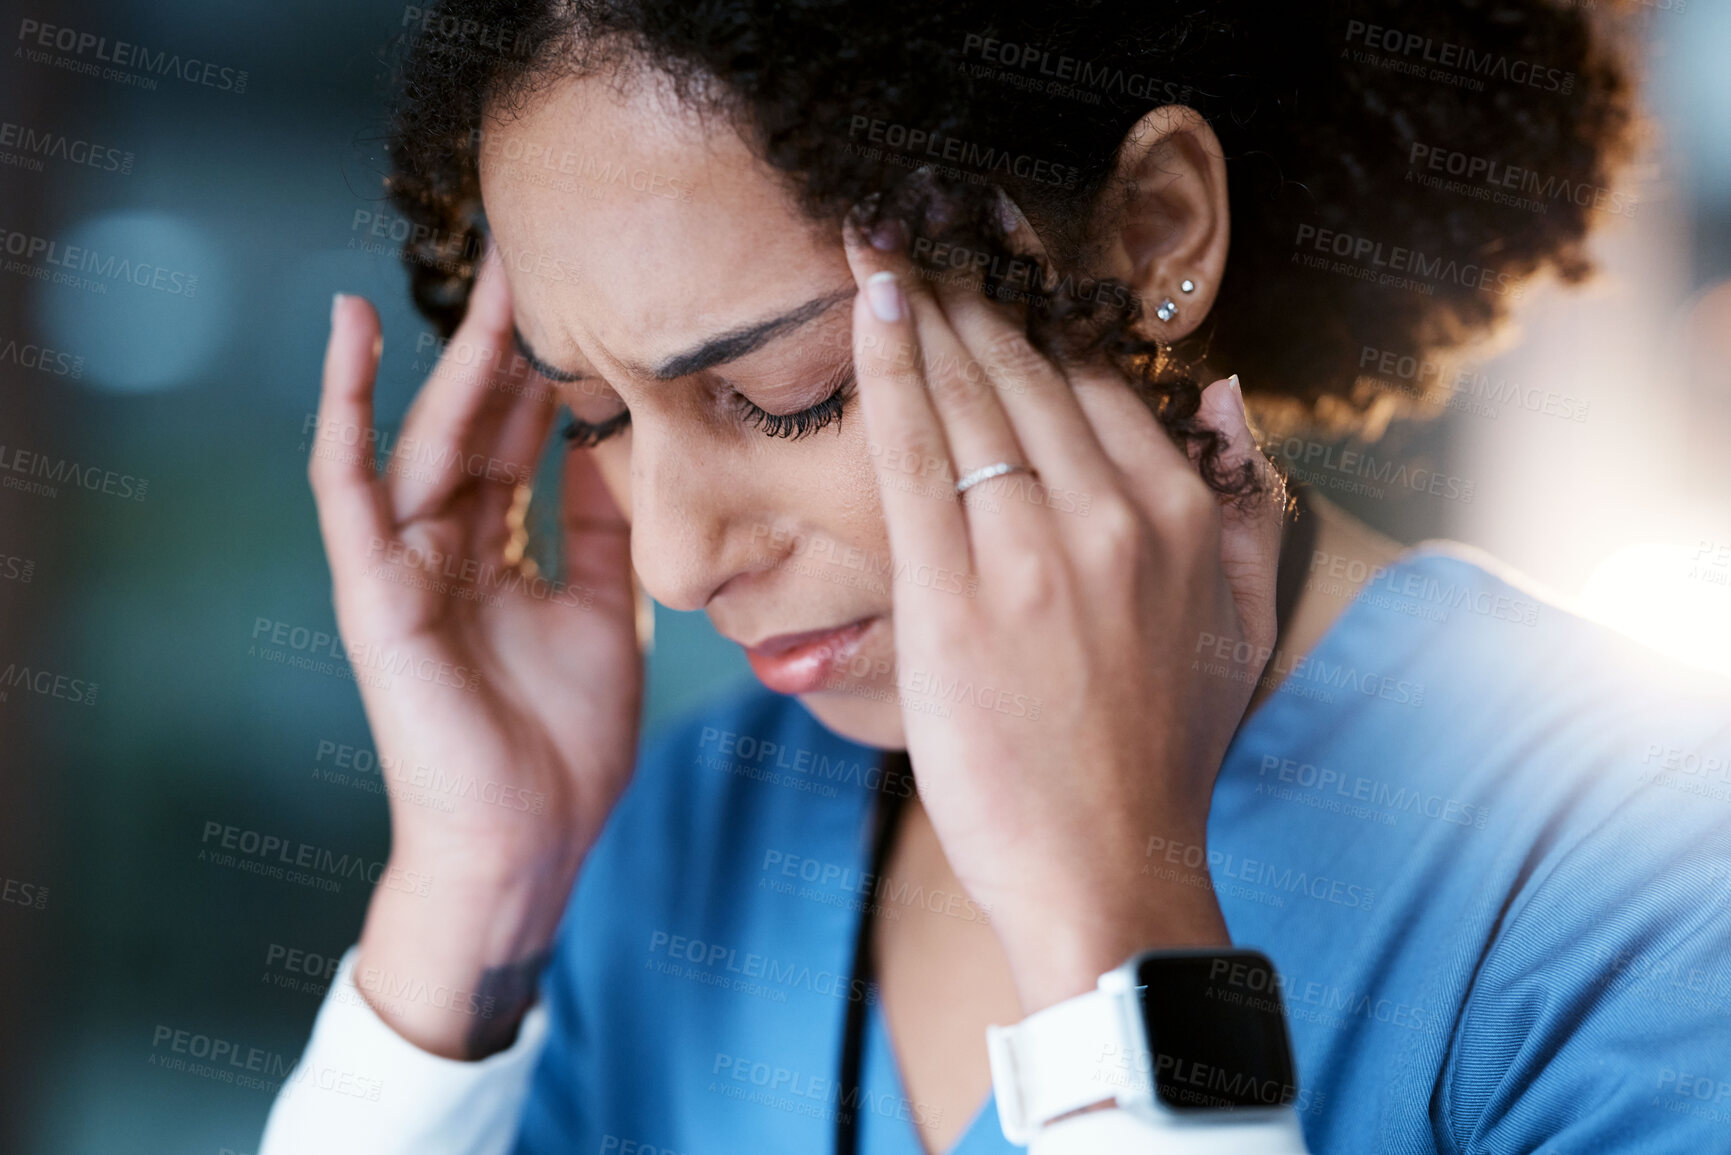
point(853, 482)
point(829, 487)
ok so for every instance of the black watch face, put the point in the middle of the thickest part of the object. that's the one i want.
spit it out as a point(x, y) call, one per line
point(1216, 1031)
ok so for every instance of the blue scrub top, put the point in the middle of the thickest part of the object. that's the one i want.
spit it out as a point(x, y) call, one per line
point(1486, 843)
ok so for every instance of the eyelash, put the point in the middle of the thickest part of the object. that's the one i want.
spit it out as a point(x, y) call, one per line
point(807, 421)
point(586, 435)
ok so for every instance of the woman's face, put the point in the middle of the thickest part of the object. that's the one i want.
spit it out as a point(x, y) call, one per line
point(658, 262)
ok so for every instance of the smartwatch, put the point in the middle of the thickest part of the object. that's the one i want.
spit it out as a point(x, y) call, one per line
point(1180, 1038)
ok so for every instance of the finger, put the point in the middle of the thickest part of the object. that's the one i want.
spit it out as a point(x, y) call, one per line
point(925, 522)
point(1036, 394)
point(976, 429)
point(1126, 430)
point(1250, 528)
point(597, 536)
point(1129, 435)
point(1037, 399)
point(523, 432)
point(353, 514)
point(513, 456)
point(458, 405)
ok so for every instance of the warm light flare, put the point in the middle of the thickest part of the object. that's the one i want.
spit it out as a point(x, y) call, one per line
point(1674, 598)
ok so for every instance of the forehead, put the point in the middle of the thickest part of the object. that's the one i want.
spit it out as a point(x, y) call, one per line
point(634, 228)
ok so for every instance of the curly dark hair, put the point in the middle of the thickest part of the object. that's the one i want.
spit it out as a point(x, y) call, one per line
point(1332, 116)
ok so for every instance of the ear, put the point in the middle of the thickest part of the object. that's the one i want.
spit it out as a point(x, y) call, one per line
point(1164, 219)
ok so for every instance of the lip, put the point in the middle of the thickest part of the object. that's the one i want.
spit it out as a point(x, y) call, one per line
point(801, 663)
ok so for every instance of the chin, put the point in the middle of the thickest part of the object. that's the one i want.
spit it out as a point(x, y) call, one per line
point(868, 721)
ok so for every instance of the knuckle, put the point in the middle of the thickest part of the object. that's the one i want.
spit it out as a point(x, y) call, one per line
point(1029, 584)
point(1185, 506)
point(321, 477)
point(1011, 356)
point(959, 388)
point(1116, 533)
point(912, 448)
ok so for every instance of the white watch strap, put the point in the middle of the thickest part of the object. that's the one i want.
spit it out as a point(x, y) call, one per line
point(1052, 1062)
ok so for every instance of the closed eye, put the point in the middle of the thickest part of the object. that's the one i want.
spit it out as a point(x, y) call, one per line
point(582, 434)
point(809, 420)
point(587, 434)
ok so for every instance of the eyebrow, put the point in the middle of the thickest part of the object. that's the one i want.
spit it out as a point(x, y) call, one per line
point(539, 365)
point(717, 350)
point(736, 343)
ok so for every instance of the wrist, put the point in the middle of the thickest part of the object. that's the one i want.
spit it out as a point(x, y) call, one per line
point(1057, 953)
point(454, 969)
point(505, 859)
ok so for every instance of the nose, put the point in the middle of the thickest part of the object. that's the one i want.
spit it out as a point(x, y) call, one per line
point(686, 522)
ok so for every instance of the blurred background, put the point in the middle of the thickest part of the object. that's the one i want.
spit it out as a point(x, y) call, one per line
point(1594, 440)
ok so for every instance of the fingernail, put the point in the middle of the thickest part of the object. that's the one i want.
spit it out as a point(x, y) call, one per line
point(336, 301)
point(1009, 216)
point(884, 296)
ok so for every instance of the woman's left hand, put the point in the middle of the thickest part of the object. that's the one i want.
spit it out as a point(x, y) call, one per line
point(1064, 732)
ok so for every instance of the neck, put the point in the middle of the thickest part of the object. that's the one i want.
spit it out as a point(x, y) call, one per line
point(1343, 545)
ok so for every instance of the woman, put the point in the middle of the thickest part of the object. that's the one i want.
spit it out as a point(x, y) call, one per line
point(881, 329)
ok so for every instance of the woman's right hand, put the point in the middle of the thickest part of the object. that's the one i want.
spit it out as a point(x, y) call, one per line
point(504, 709)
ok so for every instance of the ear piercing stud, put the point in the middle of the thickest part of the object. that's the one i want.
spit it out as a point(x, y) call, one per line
point(1169, 308)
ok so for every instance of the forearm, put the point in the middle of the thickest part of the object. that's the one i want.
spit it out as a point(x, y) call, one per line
point(454, 970)
point(1113, 905)
point(429, 1035)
